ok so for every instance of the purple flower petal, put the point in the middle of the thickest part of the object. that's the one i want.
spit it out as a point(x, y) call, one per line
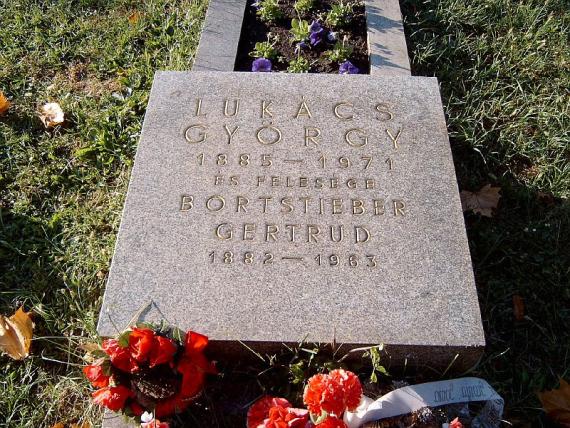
point(316, 37)
point(348, 67)
point(315, 26)
point(261, 64)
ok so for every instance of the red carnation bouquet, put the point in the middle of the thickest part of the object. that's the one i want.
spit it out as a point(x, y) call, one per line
point(148, 369)
point(327, 397)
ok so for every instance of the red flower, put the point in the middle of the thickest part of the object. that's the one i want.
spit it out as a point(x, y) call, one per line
point(171, 406)
point(113, 397)
point(333, 393)
point(259, 410)
point(120, 356)
point(96, 375)
point(163, 351)
point(324, 393)
point(136, 409)
point(332, 422)
point(455, 424)
point(351, 387)
point(141, 341)
point(192, 377)
point(273, 412)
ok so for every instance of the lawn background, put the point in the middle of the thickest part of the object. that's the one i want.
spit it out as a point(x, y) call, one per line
point(504, 70)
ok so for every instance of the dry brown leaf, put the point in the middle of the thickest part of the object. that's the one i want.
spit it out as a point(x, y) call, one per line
point(52, 115)
point(16, 334)
point(483, 201)
point(134, 17)
point(58, 425)
point(557, 403)
point(4, 104)
point(518, 307)
point(62, 425)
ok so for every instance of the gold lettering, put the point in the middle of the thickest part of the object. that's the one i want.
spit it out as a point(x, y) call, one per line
point(303, 182)
point(306, 200)
point(186, 203)
point(318, 183)
point(241, 204)
point(312, 232)
point(360, 133)
point(202, 134)
point(351, 183)
point(369, 183)
point(321, 205)
point(316, 132)
point(265, 200)
point(291, 228)
point(270, 231)
point(248, 231)
point(394, 139)
point(231, 133)
point(340, 233)
point(218, 180)
point(399, 207)
point(221, 201)
point(275, 181)
point(286, 203)
point(260, 179)
point(384, 110)
point(304, 110)
point(337, 206)
point(379, 207)
point(339, 115)
point(334, 183)
point(361, 234)
point(357, 207)
point(265, 109)
point(235, 110)
point(199, 108)
point(276, 137)
point(234, 180)
point(227, 229)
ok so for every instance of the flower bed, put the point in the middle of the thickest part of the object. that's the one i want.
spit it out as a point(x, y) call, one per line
point(316, 36)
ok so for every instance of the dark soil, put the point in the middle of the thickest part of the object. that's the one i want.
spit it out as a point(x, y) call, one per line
point(254, 30)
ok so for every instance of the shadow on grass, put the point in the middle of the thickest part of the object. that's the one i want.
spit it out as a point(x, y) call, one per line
point(523, 252)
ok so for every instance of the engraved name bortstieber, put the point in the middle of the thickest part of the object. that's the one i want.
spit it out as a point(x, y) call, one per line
point(360, 166)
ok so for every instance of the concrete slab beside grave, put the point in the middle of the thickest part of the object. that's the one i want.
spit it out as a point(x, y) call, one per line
point(220, 36)
point(386, 39)
point(270, 208)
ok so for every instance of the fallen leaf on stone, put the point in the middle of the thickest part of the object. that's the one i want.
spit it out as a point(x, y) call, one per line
point(4, 104)
point(481, 202)
point(52, 115)
point(16, 334)
point(518, 307)
point(557, 403)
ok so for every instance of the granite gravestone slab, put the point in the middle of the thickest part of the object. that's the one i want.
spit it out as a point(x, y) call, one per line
point(270, 208)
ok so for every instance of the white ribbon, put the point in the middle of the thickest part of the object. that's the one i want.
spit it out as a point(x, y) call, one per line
point(432, 394)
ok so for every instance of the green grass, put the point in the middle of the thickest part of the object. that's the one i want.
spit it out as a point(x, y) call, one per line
point(504, 69)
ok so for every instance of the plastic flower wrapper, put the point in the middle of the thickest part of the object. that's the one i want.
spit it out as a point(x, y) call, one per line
point(348, 67)
point(261, 65)
point(149, 369)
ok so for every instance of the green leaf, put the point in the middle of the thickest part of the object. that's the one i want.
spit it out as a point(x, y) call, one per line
point(123, 338)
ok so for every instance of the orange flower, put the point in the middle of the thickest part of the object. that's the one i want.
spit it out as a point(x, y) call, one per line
point(163, 351)
point(324, 393)
point(120, 356)
point(96, 375)
point(332, 422)
point(113, 397)
point(273, 412)
point(351, 386)
point(141, 342)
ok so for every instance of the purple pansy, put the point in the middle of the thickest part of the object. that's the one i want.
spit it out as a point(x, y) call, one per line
point(348, 67)
point(317, 33)
point(261, 64)
point(300, 46)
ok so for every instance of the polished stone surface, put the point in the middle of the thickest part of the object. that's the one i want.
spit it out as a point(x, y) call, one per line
point(232, 237)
